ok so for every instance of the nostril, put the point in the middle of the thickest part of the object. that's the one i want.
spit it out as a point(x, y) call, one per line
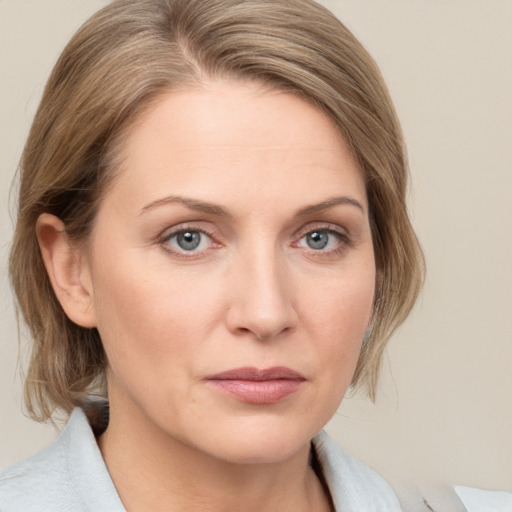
point(261, 334)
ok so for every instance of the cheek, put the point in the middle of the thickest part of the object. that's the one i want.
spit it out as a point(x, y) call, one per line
point(345, 302)
point(338, 317)
point(151, 319)
point(335, 318)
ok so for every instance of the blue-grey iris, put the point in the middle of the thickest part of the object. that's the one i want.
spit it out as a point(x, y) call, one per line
point(188, 240)
point(317, 239)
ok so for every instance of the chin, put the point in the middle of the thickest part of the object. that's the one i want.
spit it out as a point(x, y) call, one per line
point(250, 451)
point(263, 441)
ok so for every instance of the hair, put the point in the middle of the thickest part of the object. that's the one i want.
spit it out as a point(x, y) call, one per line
point(122, 60)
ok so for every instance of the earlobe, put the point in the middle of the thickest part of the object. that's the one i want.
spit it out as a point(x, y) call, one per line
point(69, 278)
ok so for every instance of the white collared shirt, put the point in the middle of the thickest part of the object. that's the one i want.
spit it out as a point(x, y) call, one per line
point(71, 475)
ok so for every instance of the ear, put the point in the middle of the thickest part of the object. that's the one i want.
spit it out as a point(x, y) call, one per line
point(68, 273)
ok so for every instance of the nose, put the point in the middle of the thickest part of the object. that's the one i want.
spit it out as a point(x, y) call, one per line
point(261, 296)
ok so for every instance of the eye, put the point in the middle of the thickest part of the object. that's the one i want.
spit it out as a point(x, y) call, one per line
point(320, 240)
point(189, 240)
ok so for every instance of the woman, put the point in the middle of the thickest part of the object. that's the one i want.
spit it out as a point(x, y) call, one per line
point(222, 248)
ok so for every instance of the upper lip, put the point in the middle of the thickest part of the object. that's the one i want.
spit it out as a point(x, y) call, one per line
point(255, 374)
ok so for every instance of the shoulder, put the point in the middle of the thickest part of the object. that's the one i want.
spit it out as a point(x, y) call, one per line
point(68, 475)
point(41, 482)
point(353, 485)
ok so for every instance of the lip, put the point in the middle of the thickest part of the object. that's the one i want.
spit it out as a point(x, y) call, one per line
point(257, 386)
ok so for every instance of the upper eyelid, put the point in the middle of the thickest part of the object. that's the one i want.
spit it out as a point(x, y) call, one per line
point(303, 230)
point(212, 233)
point(180, 228)
point(321, 226)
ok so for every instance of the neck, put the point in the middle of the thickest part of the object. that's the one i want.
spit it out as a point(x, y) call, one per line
point(154, 471)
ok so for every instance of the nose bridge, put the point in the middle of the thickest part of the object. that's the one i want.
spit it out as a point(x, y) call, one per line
point(262, 300)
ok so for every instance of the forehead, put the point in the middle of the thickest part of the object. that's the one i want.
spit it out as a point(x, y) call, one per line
point(230, 140)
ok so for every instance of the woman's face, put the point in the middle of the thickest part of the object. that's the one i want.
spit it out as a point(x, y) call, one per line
point(231, 272)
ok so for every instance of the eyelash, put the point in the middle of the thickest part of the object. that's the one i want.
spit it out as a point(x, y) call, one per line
point(344, 241)
point(167, 236)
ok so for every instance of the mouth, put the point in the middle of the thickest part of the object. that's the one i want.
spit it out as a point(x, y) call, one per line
point(255, 386)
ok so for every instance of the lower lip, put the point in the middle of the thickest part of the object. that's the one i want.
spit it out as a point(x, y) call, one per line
point(257, 391)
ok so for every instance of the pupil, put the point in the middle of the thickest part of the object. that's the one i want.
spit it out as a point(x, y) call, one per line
point(317, 240)
point(188, 240)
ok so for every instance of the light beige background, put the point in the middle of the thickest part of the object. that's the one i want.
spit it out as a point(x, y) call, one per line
point(445, 406)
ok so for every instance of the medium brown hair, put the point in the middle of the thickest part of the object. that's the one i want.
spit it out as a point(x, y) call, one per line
point(125, 57)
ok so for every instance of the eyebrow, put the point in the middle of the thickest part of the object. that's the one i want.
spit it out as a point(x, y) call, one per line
point(192, 204)
point(330, 203)
point(214, 209)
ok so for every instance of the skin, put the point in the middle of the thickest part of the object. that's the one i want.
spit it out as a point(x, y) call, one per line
point(253, 294)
